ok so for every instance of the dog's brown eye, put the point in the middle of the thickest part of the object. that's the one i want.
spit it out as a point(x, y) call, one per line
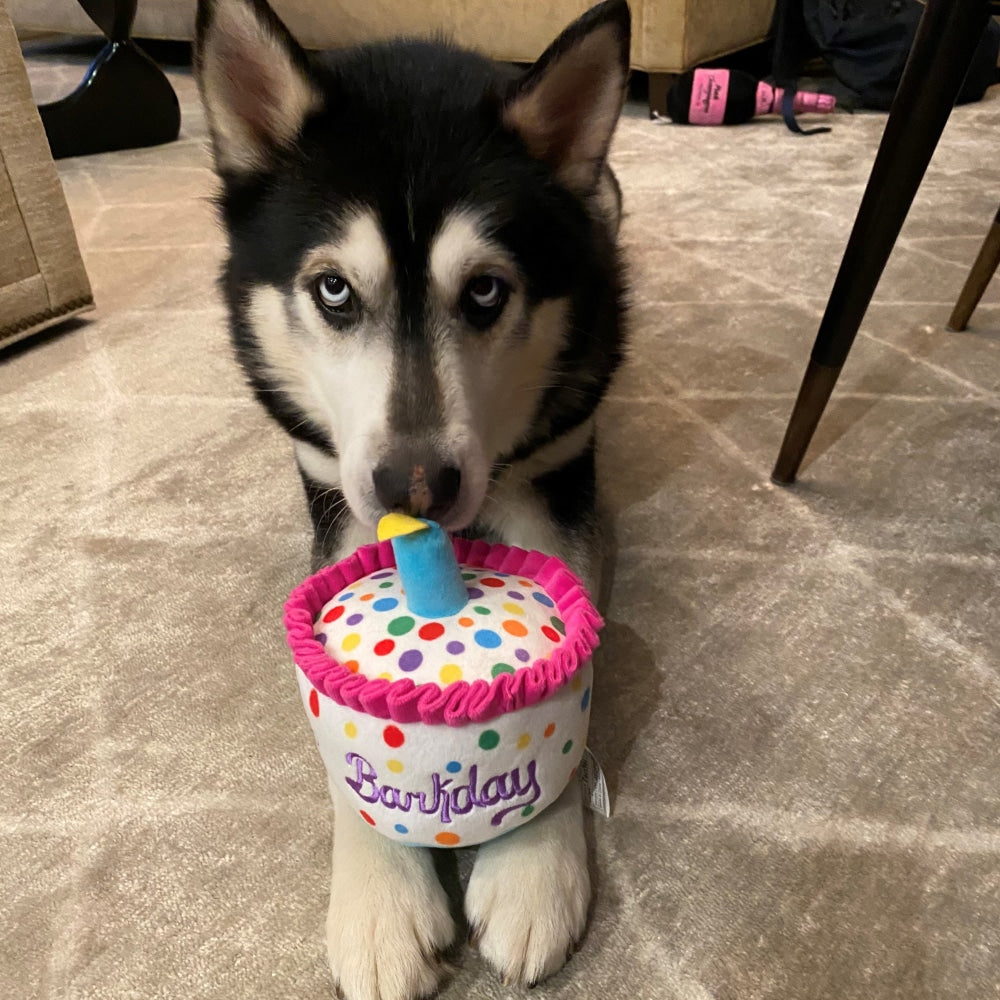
point(333, 292)
point(485, 291)
point(483, 299)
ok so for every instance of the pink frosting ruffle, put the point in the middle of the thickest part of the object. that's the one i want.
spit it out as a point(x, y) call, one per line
point(462, 702)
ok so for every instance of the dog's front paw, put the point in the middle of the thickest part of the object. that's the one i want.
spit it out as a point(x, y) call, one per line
point(388, 923)
point(385, 942)
point(527, 898)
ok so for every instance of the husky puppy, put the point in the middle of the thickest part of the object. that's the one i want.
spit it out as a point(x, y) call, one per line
point(425, 293)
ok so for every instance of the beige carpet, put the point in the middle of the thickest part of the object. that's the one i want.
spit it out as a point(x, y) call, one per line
point(799, 702)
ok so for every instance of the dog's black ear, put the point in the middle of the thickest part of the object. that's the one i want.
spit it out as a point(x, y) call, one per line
point(566, 106)
point(254, 81)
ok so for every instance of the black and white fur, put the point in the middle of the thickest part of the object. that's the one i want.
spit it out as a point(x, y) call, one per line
point(425, 292)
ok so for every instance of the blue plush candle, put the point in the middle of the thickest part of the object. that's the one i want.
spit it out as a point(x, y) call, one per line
point(427, 565)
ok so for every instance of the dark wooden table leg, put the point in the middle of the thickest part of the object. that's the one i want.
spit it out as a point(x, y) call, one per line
point(979, 277)
point(948, 35)
point(659, 87)
point(124, 101)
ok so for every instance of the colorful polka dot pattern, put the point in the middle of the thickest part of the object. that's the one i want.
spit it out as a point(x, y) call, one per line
point(444, 786)
point(509, 623)
point(548, 738)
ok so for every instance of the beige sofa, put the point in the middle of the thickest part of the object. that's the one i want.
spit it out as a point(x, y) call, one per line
point(669, 36)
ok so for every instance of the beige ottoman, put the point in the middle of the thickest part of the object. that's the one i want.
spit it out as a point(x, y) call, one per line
point(42, 279)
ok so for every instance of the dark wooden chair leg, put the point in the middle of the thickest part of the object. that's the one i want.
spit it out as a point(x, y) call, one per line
point(659, 84)
point(948, 35)
point(979, 277)
point(125, 100)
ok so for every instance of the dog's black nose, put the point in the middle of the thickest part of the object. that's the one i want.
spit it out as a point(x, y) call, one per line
point(423, 489)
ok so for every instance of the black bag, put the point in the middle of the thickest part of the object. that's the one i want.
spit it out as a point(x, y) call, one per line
point(866, 43)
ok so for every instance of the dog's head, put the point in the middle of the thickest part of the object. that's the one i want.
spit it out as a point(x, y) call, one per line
point(416, 244)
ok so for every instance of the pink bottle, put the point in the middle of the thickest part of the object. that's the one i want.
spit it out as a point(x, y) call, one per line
point(730, 97)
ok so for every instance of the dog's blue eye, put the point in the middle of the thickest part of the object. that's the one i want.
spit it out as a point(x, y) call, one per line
point(333, 292)
point(483, 299)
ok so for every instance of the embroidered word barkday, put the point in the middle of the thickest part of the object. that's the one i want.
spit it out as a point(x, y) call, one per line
point(445, 798)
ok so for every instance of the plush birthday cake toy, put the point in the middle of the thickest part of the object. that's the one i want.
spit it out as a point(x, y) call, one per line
point(447, 682)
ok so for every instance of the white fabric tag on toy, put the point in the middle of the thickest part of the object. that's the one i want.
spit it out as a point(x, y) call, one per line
point(595, 788)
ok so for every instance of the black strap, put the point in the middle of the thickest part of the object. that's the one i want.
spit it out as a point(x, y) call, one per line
point(791, 39)
point(788, 115)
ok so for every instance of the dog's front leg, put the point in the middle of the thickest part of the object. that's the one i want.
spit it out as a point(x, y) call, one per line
point(389, 919)
point(528, 895)
point(529, 891)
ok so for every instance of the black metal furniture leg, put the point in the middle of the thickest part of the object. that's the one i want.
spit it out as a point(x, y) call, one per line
point(948, 35)
point(124, 101)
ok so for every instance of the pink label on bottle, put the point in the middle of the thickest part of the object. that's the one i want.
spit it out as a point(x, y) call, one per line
point(709, 90)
